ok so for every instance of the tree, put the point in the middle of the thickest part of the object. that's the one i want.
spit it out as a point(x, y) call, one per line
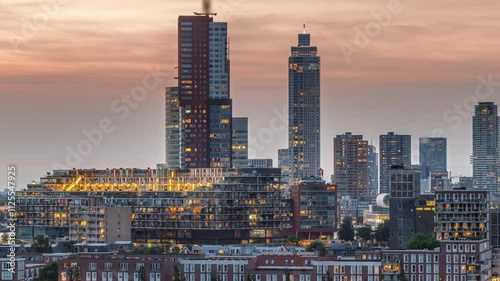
point(148, 250)
point(73, 273)
point(327, 276)
point(293, 241)
point(142, 274)
point(365, 233)
point(68, 246)
point(48, 272)
point(41, 244)
point(251, 277)
point(402, 274)
point(421, 241)
point(382, 233)
point(287, 275)
point(166, 248)
point(175, 250)
point(346, 231)
point(215, 277)
point(317, 246)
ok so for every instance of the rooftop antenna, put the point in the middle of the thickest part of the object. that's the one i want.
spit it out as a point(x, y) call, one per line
point(304, 28)
point(207, 5)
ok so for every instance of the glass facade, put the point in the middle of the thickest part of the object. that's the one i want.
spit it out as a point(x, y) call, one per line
point(240, 142)
point(394, 150)
point(207, 206)
point(304, 110)
point(485, 148)
point(432, 155)
point(204, 93)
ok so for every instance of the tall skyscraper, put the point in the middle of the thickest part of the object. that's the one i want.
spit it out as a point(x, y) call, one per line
point(174, 145)
point(432, 155)
point(304, 109)
point(284, 164)
point(351, 166)
point(240, 142)
point(485, 147)
point(373, 170)
point(204, 91)
point(394, 150)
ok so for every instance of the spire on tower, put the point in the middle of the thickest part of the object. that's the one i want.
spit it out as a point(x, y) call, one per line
point(304, 28)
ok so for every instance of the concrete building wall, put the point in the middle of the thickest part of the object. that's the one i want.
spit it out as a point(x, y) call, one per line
point(118, 224)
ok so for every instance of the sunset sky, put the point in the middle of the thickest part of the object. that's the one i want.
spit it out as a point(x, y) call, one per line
point(63, 64)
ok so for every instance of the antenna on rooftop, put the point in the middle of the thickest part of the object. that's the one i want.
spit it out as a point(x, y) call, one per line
point(207, 7)
point(304, 28)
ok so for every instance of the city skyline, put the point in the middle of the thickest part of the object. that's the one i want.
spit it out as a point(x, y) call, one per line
point(60, 106)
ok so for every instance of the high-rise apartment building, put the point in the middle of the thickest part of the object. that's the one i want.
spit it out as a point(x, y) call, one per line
point(432, 155)
point(404, 193)
point(351, 166)
point(373, 170)
point(240, 142)
point(485, 148)
point(284, 164)
point(394, 150)
point(462, 226)
point(304, 110)
point(204, 94)
point(315, 209)
point(174, 137)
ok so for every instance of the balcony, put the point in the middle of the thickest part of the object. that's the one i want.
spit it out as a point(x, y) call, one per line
point(390, 267)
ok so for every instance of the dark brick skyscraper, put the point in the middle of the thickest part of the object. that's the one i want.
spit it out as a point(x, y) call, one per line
point(204, 92)
point(194, 53)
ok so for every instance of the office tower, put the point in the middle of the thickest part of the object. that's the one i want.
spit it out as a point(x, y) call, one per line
point(432, 155)
point(439, 181)
point(220, 144)
point(373, 170)
point(260, 163)
point(284, 164)
point(466, 182)
point(315, 211)
point(394, 150)
point(240, 142)
point(174, 145)
point(351, 166)
point(485, 147)
point(304, 110)
point(204, 91)
point(219, 61)
point(462, 221)
point(495, 227)
point(404, 192)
